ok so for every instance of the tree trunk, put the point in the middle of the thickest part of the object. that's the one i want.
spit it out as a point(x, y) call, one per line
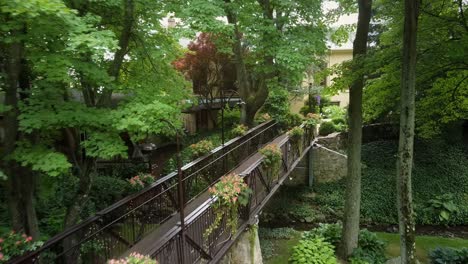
point(124, 41)
point(13, 69)
point(252, 90)
point(349, 238)
point(87, 166)
point(405, 146)
point(20, 185)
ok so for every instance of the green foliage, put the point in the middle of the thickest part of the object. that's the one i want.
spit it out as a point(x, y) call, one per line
point(312, 120)
point(271, 159)
point(290, 120)
point(314, 250)
point(442, 80)
point(370, 248)
point(296, 133)
point(331, 233)
point(439, 169)
point(327, 128)
point(231, 117)
point(140, 181)
point(14, 244)
point(229, 193)
point(316, 107)
point(334, 112)
point(448, 255)
point(201, 148)
point(277, 104)
point(443, 206)
point(41, 158)
point(239, 130)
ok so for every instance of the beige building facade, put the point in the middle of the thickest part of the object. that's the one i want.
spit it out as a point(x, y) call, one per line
point(335, 56)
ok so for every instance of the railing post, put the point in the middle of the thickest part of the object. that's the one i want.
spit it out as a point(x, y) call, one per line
point(310, 169)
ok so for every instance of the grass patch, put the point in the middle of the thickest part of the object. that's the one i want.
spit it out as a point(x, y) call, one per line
point(424, 244)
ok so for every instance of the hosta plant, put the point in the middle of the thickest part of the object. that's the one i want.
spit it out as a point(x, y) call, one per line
point(201, 148)
point(229, 192)
point(313, 251)
point(134, 258)
point(271, 159)
point(14, 244)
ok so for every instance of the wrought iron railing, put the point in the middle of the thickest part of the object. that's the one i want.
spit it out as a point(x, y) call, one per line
point(114, 230)
point(191, 245)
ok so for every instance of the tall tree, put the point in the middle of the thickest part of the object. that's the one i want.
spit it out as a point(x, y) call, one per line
point(442, 67)
point(59, 92)
point(272, 42)
point(349, 239)
point(405, 146)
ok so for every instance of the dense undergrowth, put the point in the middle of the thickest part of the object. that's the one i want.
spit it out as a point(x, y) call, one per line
point(440, 189)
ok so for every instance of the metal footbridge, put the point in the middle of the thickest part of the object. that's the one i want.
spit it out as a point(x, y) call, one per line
point(149, 221)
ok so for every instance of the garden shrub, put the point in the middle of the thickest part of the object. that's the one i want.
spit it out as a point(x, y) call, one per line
point(231, 117)
point(370, 248)
point(201, 148)
point(313, 251)
point(14, 244)
point(331, 233)
point(334, 112)
point(107, 190)
point(312, 120)
point(277, 103)
point(445, 255)
point(327, 128)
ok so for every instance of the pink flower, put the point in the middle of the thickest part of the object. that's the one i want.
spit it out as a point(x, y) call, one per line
point(1, 240)
point(28, 239)
point(1, 256)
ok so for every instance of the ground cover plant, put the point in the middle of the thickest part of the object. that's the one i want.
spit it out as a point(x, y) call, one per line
point(440, 184)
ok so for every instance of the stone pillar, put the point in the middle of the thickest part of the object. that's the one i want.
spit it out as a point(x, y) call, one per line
point(246, 250)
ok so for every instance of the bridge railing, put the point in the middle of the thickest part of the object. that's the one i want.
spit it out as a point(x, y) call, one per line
point(194, 246)
point(114, 230)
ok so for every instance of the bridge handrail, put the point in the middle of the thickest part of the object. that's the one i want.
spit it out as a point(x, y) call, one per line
point(99, 216)
point(200, 219)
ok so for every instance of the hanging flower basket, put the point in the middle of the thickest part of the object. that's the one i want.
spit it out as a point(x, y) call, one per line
point(230, 192)
point(271, 160)
point(239, 130)
point(295, 135)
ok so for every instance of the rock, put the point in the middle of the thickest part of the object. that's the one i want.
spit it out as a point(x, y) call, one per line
point(246, 250)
